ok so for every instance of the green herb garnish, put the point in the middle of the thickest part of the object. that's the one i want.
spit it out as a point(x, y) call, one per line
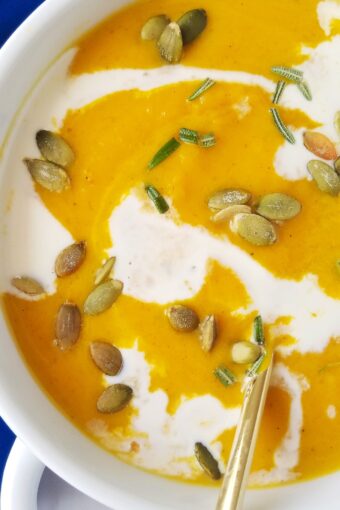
point(188, 135)
point(289, 73)
point(254, 369)
point(258, 330)
point(208, 140)
point(157, 199)
point(305, 90)
point(206, 85)
point(164, 152)
point(224, 375)
point(284, 130)
point(278, 91)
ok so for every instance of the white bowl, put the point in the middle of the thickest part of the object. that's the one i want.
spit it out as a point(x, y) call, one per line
point(23, 404)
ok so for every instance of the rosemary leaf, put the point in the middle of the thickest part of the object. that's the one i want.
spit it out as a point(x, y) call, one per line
point(254, 369)
point(305, 90)
point(258, 330)
point(278, 92)
point(207, 140)
point(224, 375)
point(289, 73)
point(205, 85)
point(188, 136)
point(164, 152)
point(284, 130)
point(159, 201)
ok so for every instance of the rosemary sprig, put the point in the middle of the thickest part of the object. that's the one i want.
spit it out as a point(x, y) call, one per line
point(284, 130)
point(278, 91)
point(163, 153)
point(188, 135)
point(205, 85)
point(254, 369)
point(207, 140)
point(258, 330)
point(289, 73)
point(159, 201)
point(305, 90)
point(224, 375)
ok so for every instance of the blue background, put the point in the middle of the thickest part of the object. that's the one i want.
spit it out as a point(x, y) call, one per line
point(12, 13)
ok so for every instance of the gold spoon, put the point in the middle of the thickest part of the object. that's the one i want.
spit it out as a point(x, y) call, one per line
point(240, 460)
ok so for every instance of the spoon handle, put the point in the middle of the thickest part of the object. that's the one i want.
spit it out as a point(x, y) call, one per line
point(240, 460)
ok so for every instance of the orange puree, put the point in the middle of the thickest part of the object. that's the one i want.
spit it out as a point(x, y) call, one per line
point(114, 138)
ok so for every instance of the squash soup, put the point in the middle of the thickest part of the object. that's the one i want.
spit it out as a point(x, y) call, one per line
point(174, 184)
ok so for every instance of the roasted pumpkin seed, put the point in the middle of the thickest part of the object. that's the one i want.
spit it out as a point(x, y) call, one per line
point(103, 297)
point(337, 122)
point(154, 27)
point(254, 229)
point(104, 272)
point(326, 178)
point(54, 148)
point(208, 332)
point(192, 24)
point(27, 285)
point(114, 398)
point(68, 325)
point(229, 212)
point(319, 144)
point(48, 175)
point(278, 206)
point(182, 318)
point(207, 462)
point(107, 357)
point(170, 43)
point(70, 259)
point(226, 197)
point(245, 352)
point(337, 165)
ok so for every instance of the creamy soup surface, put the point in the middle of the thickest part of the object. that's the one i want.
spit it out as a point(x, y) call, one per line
point(117, 102)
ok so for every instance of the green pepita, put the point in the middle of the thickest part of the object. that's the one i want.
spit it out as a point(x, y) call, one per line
point(254, 229)
point(68, 325)
point(326, 178)
point(54, 148)
point(103, 297)
point(229, 212)
point(70, 259)
point(278, 206)
point(107, 357)
point(192, 24)
point(50, 176)
point(226, 197)
point(245, 352)
point(170, 43)
point(182, 318)
point(27, 285)
point(104, 272)
point(207, 462)
point(154, 27)
point(208, 332)
point(114, 398)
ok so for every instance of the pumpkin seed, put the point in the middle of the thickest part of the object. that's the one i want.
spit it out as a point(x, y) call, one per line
point(254, 229)
point(154, 27)
point(245, 352)
point(103, 297)
point(182, 318)
point(104, 272)
point(70, 259)
point(337, 122)
point(229, 212)
point(230, 196)
point(48, 175)
point(278, 206)
point(114, 398)
point(319, 144)
point(170, 43)
point(107, 357)
point(337, 165)
point(207, 462)
point(326, 178)
point(192, 24)
point(27, 285)
point(68, 326)
point(208, 332)
point(54, 148)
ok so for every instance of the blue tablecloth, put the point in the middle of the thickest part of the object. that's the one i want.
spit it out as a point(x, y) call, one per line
point(12, 13)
